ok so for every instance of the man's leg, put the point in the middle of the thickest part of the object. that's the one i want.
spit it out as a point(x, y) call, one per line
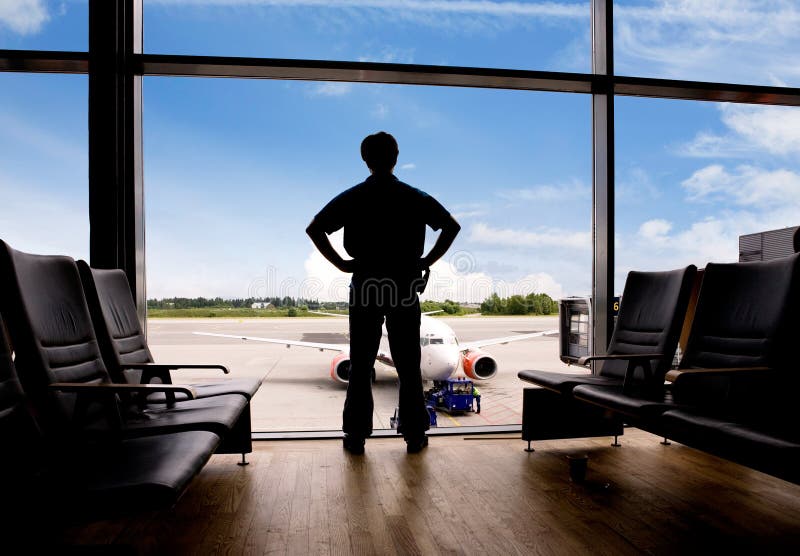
point(365, 337)
point(402, 325)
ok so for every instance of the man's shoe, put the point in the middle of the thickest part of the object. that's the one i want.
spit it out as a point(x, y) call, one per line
point(416, 444)
point(353, 444)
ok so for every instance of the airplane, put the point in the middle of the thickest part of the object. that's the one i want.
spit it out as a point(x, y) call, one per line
point(441, 352)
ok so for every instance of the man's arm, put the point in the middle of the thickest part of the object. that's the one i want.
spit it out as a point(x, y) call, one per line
point(321, 241)
point(449, 232)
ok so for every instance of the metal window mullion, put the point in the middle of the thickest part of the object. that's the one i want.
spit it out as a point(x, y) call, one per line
point(602, 175)
point(116, 212)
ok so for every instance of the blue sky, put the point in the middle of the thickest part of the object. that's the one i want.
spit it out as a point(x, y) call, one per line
point(235, 169)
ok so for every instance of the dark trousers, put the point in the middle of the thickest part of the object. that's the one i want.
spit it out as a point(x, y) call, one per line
point(367, 314)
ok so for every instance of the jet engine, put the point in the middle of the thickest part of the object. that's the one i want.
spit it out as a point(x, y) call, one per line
point(340, 368)
point(479, 365)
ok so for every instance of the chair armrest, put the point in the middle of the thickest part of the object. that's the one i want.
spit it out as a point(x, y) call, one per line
point(104, 390)
point(633, 356)
point(728, 389)
point(685, 375)
point(106, 393)
point(635, 360)
point(90, 389)
point(161, 370)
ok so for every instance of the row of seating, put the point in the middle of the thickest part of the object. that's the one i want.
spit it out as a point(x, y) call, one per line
point(88, 420)
point(734, 391)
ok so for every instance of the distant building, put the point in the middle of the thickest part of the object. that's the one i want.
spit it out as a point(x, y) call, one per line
point(262, 305)
point(765, 246)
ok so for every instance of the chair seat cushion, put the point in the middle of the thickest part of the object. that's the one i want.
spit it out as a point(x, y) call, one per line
point(565, 382)
point(218, 414)
point(141, 473)
point(612, 397)
point(246, 387)
point(770, 448)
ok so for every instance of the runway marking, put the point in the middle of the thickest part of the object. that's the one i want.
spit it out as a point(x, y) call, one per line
point(452, 419)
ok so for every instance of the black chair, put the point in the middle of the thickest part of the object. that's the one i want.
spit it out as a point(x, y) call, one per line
point(62, 371)
point(63, 477)
point(745, 326)
point(124, 345)
point(645, 337)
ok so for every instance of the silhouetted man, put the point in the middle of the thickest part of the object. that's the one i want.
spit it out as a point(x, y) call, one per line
point(384, 223)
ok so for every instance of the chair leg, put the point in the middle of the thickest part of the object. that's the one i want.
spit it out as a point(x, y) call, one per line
point(616, 443)
point(665, 442)
point(529, 449)
point(244, 461)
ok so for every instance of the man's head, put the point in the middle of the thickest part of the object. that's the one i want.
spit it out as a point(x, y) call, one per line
point(380, 151)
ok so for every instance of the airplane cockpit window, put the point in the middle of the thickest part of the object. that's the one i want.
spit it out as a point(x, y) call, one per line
point(423, 341)
point(437, 340)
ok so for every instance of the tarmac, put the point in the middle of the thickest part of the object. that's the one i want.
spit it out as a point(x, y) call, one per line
point(298, 394)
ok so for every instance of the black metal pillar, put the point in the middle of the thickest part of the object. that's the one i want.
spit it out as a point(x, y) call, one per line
point(603, 175)
point(116, 201)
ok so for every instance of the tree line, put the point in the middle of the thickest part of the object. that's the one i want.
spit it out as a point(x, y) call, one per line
point(533, 303)
point(243, 303)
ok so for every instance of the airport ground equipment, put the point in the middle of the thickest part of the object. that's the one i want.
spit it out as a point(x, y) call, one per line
point(453, 395)
point(394, 420)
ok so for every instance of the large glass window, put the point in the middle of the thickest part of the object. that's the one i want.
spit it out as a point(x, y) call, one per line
point(235, 170)
point(697, 176)
point(44, 163)
point(44, 25)
point(742, 41)
point(522, 34)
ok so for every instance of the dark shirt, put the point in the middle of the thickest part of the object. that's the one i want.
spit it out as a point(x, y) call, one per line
point(384, 223)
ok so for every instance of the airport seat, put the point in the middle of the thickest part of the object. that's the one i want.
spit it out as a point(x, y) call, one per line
point(739, 353)
point(66, 478)
point(124, 345)
point(60, 366)
point(642, 347)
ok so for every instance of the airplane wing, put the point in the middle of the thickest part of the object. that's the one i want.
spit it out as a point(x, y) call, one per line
point(504, 340)
point(288, 343)
point(345, 315)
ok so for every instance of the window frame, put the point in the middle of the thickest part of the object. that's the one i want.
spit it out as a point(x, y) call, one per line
point(116, 64)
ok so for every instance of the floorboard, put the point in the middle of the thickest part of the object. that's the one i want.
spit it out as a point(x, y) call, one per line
point(464, 495)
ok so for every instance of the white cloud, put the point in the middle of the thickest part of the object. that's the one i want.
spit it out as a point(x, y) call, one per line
point(23, 16)
point(775, 129)
point(748, 186)
point(330, 89)
point(506, 237)
point(655, 230)
point(746, 199)
point(751, 129)
point(380, 111)
point(468, 214)
point(712, 40)
point(548, 193)
point(461, 7)
point(408, 166)
point(323, 280)
point(390, 55)
point(452, 277)
point(634, 186)
point(447, 282)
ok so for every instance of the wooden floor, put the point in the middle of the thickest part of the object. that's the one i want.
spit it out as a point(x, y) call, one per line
point(467, 495)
